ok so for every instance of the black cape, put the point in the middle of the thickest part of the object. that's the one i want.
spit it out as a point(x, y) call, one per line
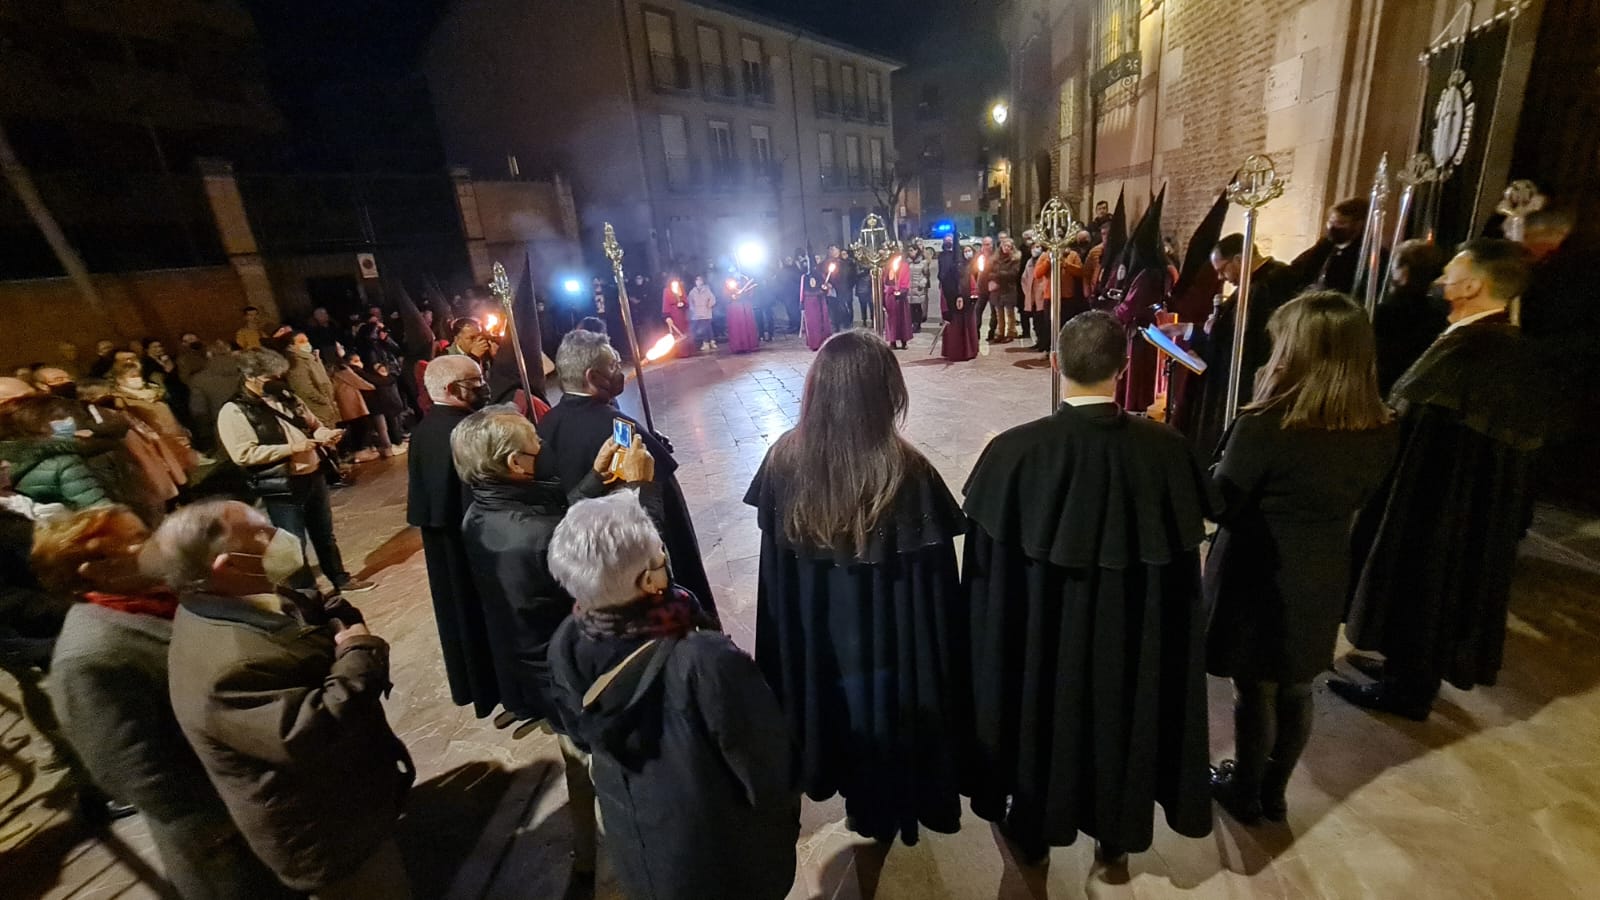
point(435, 502)
point(1405, 325)
point(1437, 545)
point(868, 657)
point(1272, 285)
point(1083, 573)
point(573, 431)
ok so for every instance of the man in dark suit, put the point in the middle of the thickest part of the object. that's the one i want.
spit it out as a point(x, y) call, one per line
point(435, 503)
point(1330, 264)
point(591, 380)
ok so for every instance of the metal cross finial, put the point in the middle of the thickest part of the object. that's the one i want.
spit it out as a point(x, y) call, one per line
point(1520, 200)
point(874, 248)
point(612, 248)
point(1257, 183)
point(1056, 226)
point(500, 285)
point(1419, 169)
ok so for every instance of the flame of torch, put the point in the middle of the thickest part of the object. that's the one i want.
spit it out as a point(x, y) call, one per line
point(661, 348)
point(894, 265)
point(981, 260)
point(677, 287)
point(493, 323)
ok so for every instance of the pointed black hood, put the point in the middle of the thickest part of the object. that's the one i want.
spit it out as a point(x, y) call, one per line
point(1198, 282)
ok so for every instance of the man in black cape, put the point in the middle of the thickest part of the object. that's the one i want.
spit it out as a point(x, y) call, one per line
point(436, 502)
point(591, 377)
point(1271, 286)
point(1439, 541)
point(1083, 575)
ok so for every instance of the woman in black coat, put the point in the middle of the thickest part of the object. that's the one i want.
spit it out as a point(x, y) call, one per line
point(1296, 466)
point(860, 618)
point(689, 748)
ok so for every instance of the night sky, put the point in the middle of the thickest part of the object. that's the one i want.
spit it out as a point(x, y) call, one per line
point(345, 75)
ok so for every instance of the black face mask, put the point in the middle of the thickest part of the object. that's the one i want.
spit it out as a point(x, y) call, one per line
point(68, 391)
point(277, 387)
point(1436, 293)
point(612, 384)
point(476, 396)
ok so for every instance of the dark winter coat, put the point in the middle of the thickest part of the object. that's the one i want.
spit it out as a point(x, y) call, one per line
point(292, 731)
point(1278, 574)
point(690, 764)
point(507, 533)
point(49, 470)
point(868, 655)
point(108, 682)
point(385, 398)
point(436, 502)
point(573, 432)
point(1083, 573)
point(1436, 546)
point(1405, 325)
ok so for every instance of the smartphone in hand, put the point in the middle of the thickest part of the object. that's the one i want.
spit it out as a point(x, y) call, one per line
point(622, 433)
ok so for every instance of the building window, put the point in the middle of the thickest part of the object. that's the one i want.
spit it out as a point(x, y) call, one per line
point(875, 169)
point(757, 81)
point(849, 100)
point(721, 142)
point(875, 108)
point(668, 70)
point(715, 77)
point(675, 147)
point(1116, 77)
point(825, 164)
point(852, 161)
point(761, 144)
point(822, 87)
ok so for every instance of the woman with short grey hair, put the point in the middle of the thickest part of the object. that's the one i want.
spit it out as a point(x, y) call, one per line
point(690, 752)
point(505, 531)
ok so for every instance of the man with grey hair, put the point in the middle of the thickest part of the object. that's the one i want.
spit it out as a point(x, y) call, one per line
point(283, 448)
point(591, 377)
point(435, 503)
point(689, 751)
point(282, 702)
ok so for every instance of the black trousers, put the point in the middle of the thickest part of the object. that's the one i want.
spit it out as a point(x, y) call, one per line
point(306, 513)
point(1271, 726)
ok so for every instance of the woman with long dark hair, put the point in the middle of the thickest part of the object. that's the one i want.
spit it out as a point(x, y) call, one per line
point(1300, 461)
point(860, 620)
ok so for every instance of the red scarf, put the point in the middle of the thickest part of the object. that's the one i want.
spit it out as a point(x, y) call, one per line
point(160, 603)
point(672, 614)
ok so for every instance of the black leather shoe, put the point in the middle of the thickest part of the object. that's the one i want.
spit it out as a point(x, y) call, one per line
point(1370, 666)
point(1378, 698)
point(1241, 802)
point(1274, 809)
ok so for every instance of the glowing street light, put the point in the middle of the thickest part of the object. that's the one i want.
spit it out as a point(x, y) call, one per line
point(572, 286)
point(750, 254)
point(1000, 112)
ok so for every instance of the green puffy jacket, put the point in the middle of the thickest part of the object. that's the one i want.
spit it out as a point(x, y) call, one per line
point(53, 471)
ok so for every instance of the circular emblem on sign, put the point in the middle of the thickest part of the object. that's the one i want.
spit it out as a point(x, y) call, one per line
point(1452, 122)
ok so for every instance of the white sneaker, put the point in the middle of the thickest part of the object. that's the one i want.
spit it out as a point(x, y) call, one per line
point(713, 345)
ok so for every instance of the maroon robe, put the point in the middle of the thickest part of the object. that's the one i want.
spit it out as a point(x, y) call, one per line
point(1137, 386)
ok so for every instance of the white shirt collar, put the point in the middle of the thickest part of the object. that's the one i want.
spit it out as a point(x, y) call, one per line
point(1089, 401)
point(1473, 318)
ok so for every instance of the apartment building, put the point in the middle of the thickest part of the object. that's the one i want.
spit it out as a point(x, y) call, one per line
point(689, 125)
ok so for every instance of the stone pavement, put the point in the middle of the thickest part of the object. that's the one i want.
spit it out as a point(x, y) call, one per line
point(1497, 795)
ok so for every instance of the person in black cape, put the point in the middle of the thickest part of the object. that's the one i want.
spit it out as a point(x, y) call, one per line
point(1410, 317)
point(1437, 545)
point(1082, 570)
point(435, 503)
point(859, 617)
point(1330, 264)
point(1271, 285)
point(1297, 465)
point(591, 378)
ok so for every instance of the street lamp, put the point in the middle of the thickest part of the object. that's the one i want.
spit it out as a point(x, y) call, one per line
point(750, 254)
point(1000, 112)
point(572, 286)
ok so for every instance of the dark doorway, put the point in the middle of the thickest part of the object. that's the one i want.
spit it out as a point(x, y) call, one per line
point(340, 295)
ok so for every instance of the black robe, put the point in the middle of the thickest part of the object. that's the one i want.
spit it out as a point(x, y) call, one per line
point(1437, 545)
point(435, 503)
point(574, 430)
point(868, 657)
point(1325, 266)
point(1272, 285)
point(1083, 574)
point(1405, 325)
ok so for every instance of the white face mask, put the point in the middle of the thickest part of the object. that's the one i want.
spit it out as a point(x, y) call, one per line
point(283, 558)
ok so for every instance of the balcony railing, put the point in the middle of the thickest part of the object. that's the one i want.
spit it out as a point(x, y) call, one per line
point(831, 177)
point(717, 82)
point(724, 174)
point(856, 178)
point(824, 101)
point(669, 72)
point(850, 107)
point(682, 173)
point(757, 85)
point(876, 113)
